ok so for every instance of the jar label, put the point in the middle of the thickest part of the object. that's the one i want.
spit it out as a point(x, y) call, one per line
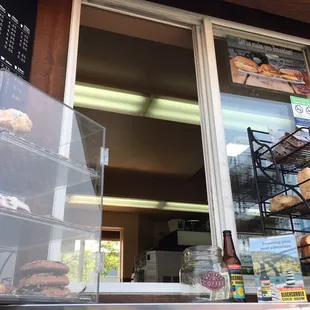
point(213, 281)
point(236, 279)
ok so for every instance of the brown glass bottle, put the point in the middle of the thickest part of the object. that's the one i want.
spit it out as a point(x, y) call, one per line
point(233, 263)
point(265, 283)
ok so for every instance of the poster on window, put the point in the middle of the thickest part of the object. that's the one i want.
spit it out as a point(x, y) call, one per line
point(268, 66)
point(277, 269)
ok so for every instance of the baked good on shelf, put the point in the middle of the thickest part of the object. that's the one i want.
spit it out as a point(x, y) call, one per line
point(48, 291)
point(296, 141)
point(15, 121)
point(304, 176)
point(13, 203)
point(44, 279)
point(305, 248)
point(290, 74)
point(281, 202)
point(289, 144)
point(245, 64)
point(268, 70)
point(45, 266)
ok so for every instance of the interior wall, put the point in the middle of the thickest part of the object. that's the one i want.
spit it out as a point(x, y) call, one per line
point(145, 233)
point(151, 230)
point(156, 187)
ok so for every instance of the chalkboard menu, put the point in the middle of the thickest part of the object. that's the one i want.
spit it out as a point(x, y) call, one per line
point(17, 26)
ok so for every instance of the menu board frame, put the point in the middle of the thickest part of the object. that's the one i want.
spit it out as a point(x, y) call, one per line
point(17, 33)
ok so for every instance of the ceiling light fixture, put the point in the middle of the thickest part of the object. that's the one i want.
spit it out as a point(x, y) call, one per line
point(138, 203)
point(97, 97)
point(108, 99)
point(118, 101)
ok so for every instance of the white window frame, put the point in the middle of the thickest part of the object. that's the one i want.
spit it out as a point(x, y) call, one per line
point(212, 128)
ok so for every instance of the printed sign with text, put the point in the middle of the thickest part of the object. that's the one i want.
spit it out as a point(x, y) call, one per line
point(277, 269)
point(268, 66)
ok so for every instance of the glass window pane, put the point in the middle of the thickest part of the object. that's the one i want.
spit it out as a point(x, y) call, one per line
point(262, 106)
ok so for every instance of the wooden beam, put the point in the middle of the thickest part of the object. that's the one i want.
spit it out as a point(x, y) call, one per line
point(49, 59)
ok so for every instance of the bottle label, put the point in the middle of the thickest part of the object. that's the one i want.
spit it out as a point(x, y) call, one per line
point(266, 289)
point(213, 281)
point(236, 279)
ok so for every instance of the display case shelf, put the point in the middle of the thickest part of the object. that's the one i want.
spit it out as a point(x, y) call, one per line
point(21, 159)
point(48, 221)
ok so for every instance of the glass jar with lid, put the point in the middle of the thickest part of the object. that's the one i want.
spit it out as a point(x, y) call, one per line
point(204, 274)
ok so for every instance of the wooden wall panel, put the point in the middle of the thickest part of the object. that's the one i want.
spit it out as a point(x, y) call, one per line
point(49, 60)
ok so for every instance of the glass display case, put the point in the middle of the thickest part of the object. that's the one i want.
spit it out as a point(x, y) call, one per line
point(49, 240)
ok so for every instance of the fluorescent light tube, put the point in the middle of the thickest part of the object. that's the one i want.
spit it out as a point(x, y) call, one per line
point(178, 111)
point(118, 101)
point(137, 203)
point(235, 149)
point(108, 99)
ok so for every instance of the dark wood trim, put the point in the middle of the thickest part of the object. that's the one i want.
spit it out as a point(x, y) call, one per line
point(48, 70)
point(243, 15)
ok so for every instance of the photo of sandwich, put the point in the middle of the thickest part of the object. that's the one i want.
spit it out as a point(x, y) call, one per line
point(236, 75)
point(245, 64)
point(268, 70)
point(292, 75)
point(267, 66)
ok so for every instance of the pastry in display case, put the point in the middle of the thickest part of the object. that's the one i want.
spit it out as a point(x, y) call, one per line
point(49, 243)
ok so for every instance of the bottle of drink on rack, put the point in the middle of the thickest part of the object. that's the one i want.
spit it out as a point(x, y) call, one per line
point(265, 283)
point(233, 263)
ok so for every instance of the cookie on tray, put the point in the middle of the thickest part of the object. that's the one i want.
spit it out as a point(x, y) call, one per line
point(44, 279)
point(45, 266)
point(54, 291)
